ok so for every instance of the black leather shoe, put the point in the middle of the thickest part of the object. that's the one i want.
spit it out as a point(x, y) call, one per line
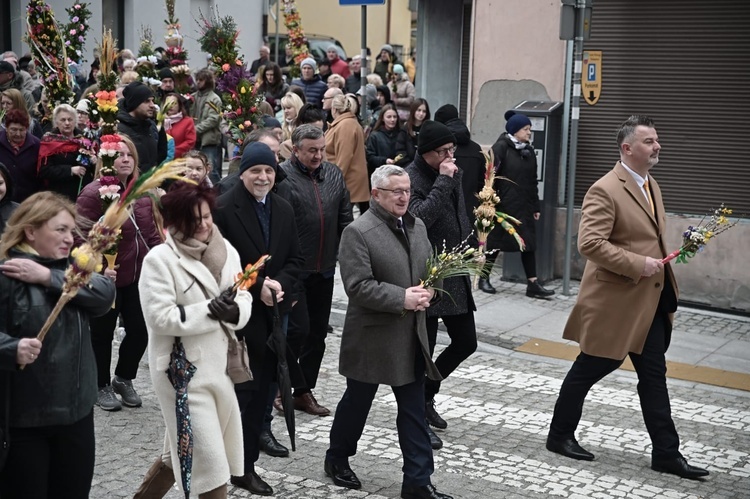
point(486, 286)
point(271, 446)
point(568, 447)
point(680, 467)
point(433, 417)
point(535, 290)
point(422, 492)
point(252, 483)
point(342, 475)
point(435, 441)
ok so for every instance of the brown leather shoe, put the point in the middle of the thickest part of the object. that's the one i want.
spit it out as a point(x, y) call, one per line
point(307, 403)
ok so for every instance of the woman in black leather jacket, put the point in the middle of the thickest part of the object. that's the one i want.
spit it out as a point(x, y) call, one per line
point(51, 400)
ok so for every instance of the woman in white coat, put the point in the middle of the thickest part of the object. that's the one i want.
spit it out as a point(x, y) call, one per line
point(181, 294)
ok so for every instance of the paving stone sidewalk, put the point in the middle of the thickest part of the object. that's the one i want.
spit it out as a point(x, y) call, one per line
point(498, 406)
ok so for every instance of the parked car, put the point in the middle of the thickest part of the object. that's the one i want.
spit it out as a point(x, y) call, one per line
point(318, 46)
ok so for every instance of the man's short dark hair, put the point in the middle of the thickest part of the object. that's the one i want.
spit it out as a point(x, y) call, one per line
point(305, 132)
point(627, 129)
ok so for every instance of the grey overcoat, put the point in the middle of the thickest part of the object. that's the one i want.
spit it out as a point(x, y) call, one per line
point(380, 343)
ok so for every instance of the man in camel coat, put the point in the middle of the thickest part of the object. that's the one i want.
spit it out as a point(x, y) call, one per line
point(626, 301)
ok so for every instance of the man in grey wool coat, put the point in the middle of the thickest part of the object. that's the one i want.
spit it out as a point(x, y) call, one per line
point(382, 256)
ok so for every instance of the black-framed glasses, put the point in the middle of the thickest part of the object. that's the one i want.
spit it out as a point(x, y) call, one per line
point(396, 192)
point(445, 151)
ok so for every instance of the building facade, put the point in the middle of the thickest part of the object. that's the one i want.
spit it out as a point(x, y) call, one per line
point(684, 62)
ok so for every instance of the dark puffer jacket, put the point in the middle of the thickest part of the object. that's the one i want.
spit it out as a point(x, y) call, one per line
point(406, 145)
point(313, 89)
point(470, 159)
point(139, 233)
point(150, 142)
point(519, 197)
point(322, 210)
point(439, 201)
point(59, 388)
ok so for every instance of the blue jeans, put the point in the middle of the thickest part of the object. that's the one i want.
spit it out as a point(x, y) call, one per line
point(214, 156)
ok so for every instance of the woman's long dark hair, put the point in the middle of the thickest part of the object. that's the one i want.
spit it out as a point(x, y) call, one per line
point(278, 81)
point(380, 123)
point(412, 110)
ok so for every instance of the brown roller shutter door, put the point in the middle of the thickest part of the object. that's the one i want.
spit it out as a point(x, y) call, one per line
point(686, 63)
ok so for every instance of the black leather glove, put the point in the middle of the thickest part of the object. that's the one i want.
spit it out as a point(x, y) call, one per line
point(224, 308)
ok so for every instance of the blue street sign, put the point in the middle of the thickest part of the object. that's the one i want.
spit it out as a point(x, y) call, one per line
point(361, 2)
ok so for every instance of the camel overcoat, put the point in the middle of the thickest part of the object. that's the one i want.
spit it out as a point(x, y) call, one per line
point(615, 305)
point(380, 342)
point(345, 148)
point(174, 305)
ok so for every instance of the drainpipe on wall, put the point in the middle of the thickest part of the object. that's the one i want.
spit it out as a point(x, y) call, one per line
point(388, 21)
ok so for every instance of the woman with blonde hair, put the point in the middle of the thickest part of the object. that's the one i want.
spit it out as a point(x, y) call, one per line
point(345, 147)
point(336, 81)
point(290, 105)
point(50, 416)
point(138, 235)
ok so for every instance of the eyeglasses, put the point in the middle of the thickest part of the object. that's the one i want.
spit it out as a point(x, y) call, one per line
point(445, 151)
point(397, 192)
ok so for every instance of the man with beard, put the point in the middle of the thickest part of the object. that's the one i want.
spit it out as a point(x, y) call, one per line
point(136, 117)
point(167, 83)
point(259, 222)
point(205, 112)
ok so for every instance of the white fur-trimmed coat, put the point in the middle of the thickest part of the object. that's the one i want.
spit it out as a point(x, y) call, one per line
point(174, 305)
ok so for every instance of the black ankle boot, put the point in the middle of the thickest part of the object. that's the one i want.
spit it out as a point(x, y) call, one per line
point(486, 286)
point(535, 290)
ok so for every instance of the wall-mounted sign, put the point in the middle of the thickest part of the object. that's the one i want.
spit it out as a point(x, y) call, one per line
point(591, 78)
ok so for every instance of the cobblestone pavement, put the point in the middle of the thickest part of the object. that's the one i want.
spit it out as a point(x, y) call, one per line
point(498, 405)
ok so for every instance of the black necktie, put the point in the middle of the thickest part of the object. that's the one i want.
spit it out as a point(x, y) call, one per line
point(400, 225)
point(264, 218)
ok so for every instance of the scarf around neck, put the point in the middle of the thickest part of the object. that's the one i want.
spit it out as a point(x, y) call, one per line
point(213, 255)
point(170, 121)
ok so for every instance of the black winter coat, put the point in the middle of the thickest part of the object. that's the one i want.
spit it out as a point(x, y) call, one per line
point(235, 216)
point(322, 209)
point(519, 197)
point(150, 142)
point(381, 145)
point(60, 387)
point(7, 205)
point(470, 159)
point(407, 146)
point(55, 172)
point(439, 201)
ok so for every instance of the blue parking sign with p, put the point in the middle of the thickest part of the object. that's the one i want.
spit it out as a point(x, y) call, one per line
point(592, 72)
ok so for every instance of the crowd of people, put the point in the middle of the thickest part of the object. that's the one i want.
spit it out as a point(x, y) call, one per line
point(314, 185)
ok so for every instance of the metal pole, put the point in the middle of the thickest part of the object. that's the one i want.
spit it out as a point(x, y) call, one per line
point(363, 110)
point(575, 114)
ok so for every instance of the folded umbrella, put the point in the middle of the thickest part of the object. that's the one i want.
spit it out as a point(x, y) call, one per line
point(180, 371)
point(277, 344)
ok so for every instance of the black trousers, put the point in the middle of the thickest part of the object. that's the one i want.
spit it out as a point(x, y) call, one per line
point(463, 334)
point(128, 306)
point(651, 368)
point(308, 329)
point(50, 461)
point(253, 403)
point(528, 260)
point(351, 416)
